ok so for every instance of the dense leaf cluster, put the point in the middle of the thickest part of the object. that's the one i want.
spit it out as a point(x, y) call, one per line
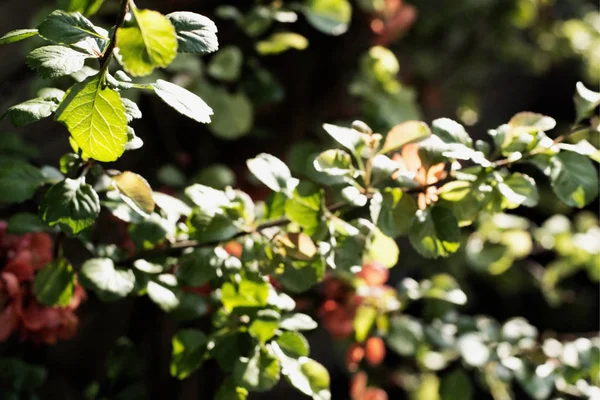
point(341, 209)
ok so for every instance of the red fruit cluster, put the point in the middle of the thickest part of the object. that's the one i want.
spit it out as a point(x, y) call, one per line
point(360, 391)
point(22, 256)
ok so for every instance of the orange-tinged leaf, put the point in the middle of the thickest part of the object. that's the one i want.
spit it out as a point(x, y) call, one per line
point(404, 133)
point(299, 246)
point(136, 191)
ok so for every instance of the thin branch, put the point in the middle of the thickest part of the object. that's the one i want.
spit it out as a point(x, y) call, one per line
point(507, 161)
point(108, 53)
point(178, 247)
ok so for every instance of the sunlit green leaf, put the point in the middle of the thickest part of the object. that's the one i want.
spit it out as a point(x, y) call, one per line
point(148, 43)
point(189, 346)
point(328, 16)
point(183, 101)
point(109, 283)
point(96, 119)
point(17, 35)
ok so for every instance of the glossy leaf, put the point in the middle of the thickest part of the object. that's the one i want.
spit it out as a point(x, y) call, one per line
point(17, 35)
point(30, 111)
point(68, 28)
point(109, 283)
point(272, 172)
point(195, 33)
point(259, 372)
point(183, 101)
point(55, 61)
point(71, 204)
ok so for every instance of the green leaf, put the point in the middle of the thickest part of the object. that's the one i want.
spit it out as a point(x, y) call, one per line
point(265, 324)
point(383, 249)
point(473, 350)
point(13, 146)
point(183, 101)
point(86, 7)
point(280, 42)
point(519, 189)
point(317, 377)
point(18, 181)
point(191, 307)
point(435, 232)
point(56, 61)
point(351, 139)
point(30, 111)
point(21, 376)
point(132, 111)
point(334, 162)
point(531, 122)
point(247, 294)
point(95, 117)
point(17, 35)
point(211, 224)
point(229, 391)
point(71, 204)
point(69, 28)
point(304, 207)
point(574, 179)
point(393, 212)
point(456, 386)
point(195, 33)
point(151, 231)
point(586, 100)
point(198, 267)
point(226, 65)
point(258, 373)
point(300, 276)
point(54, 284)
point(227, 125)
point(443, 287)
point(150, 42)
point(21, 223)
point(404, 133)
point(451, 132)
point(109, 283)
point(163, 294)
point(405, 335)
point(189, 346)
point(272, 172)
point(297, 322)
point(364, 320)
point(136, 192)
point(293, 344)
point(331, 17)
